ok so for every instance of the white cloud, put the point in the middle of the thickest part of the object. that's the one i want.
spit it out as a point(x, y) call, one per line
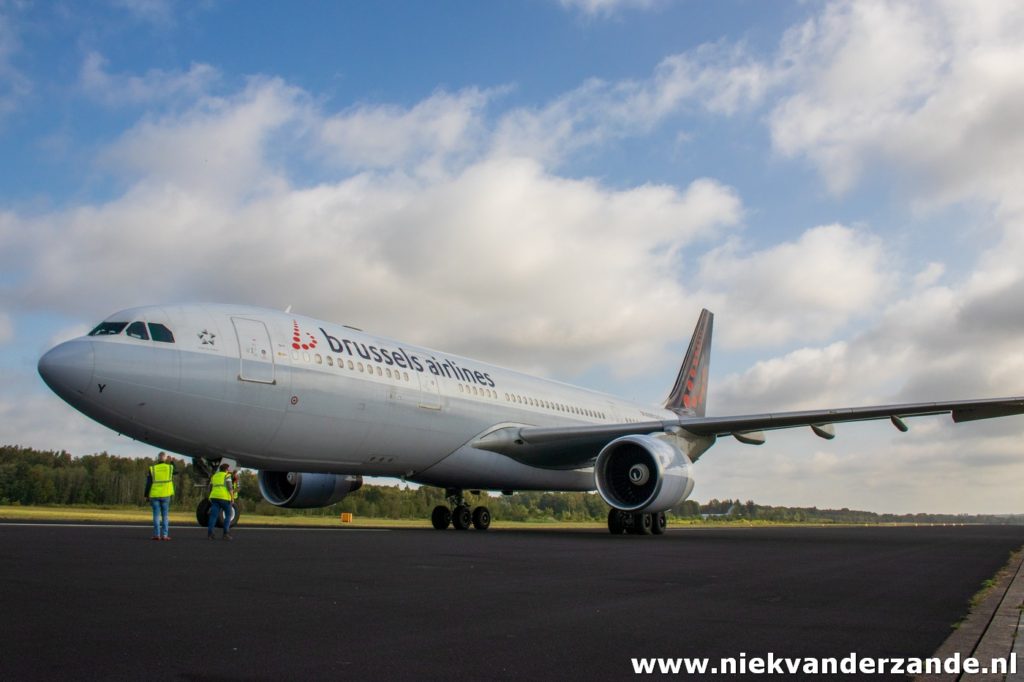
point(805, 289)
point(715, 77)
point(441, 126)
point(932, 88)
point(154, 86)
point(221, 146)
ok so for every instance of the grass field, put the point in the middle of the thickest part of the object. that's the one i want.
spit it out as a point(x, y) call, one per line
point(144, 515)
point(79, 514)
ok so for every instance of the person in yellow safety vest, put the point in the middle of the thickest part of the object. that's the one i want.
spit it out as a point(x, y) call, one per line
point(222, 492)
point(159, 490)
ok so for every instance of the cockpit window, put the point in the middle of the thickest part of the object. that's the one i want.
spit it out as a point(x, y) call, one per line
point(108, 329)
point(160, 333)
point(137, 330)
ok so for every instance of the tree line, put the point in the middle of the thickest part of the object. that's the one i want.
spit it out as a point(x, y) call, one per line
point(40, 477)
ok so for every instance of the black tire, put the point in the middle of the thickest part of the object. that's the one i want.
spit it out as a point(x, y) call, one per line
point(642, 524)
point(235, 515)
point(203, 514)
point(616, 522)
point(461, 517)
point(441, 517)
point(481, 518)
point(660, 523)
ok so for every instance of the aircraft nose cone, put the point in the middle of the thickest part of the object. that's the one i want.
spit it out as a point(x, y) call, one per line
point(67, 369)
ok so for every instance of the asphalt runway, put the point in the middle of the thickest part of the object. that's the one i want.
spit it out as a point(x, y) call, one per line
point(89, 602)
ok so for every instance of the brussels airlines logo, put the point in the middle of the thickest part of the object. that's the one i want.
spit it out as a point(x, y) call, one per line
point(297, 338)
point(394, 357)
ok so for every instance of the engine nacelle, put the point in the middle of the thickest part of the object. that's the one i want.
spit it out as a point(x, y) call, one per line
point(302, 491)
point(643, 473)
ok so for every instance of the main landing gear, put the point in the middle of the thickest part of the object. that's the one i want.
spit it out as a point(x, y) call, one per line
point(636, 523)
point(459, 517)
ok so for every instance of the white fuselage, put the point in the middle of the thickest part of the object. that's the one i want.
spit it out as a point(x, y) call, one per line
point(278, 391)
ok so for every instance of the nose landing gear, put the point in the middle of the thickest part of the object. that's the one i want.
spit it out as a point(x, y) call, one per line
point(459, 516)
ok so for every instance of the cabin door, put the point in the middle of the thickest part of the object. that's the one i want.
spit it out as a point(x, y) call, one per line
point(254, 350)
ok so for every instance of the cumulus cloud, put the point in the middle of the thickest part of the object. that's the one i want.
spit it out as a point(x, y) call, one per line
point(804, 289)
point(221, 146)
point(718, 78)
point(496, 256)
point(153, 86)
point(385, 136)
point(931, 88)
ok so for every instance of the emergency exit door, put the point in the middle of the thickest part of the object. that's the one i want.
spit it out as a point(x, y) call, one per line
point(254, 350)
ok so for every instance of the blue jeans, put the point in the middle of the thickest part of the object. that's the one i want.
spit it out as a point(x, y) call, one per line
point(218, 507)
point(160, 506)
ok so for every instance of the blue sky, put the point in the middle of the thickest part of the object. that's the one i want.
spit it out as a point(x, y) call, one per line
point(553, 186)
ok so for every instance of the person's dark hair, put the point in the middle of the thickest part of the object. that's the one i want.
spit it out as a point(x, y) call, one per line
point(225, 466)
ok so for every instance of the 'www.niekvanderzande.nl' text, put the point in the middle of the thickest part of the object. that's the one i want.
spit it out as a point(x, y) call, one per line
point(849, 664)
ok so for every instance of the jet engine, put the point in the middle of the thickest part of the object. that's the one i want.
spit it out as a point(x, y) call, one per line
point(302, 491)
point(643, 474)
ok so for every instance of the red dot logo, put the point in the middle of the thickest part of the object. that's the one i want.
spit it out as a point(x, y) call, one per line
point(297, 334)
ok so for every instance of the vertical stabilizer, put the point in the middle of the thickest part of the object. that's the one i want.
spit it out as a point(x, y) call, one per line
point(690, 393)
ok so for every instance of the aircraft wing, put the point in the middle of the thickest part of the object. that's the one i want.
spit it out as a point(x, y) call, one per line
point(561, 447)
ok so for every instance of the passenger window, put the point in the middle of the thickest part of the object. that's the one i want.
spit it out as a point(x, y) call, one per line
point(108, 329)
point(160, 333)
point(137, 330)
point(330, 361)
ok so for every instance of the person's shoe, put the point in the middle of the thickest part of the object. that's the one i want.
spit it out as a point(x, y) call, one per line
point(155, 537)
point(166, 537)
point(210, 537)
point(227, 536)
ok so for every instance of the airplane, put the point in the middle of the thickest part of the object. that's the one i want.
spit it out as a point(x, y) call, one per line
point(316, 406)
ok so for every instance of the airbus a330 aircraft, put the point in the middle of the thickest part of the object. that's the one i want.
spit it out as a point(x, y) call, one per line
point(316, 406)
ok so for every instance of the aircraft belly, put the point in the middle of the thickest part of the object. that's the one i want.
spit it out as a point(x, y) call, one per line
point(470, 468)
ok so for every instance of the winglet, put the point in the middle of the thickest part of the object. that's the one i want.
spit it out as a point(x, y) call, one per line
point(690, 392)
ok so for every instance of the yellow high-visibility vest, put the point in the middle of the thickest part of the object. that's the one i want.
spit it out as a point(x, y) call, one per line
point(219, 486)
point(162, 475)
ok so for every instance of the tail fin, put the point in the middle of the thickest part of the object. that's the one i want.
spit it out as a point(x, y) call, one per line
point(690, 393)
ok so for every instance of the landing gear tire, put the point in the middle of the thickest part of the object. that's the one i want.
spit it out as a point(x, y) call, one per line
point(659, 523)
point(616, 522)
point(642, 524)
point(203, 514)
point(481, 518)
point(441, 517)
point(461, 517)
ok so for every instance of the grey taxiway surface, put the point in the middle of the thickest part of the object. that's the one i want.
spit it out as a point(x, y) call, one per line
point(95, 602)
